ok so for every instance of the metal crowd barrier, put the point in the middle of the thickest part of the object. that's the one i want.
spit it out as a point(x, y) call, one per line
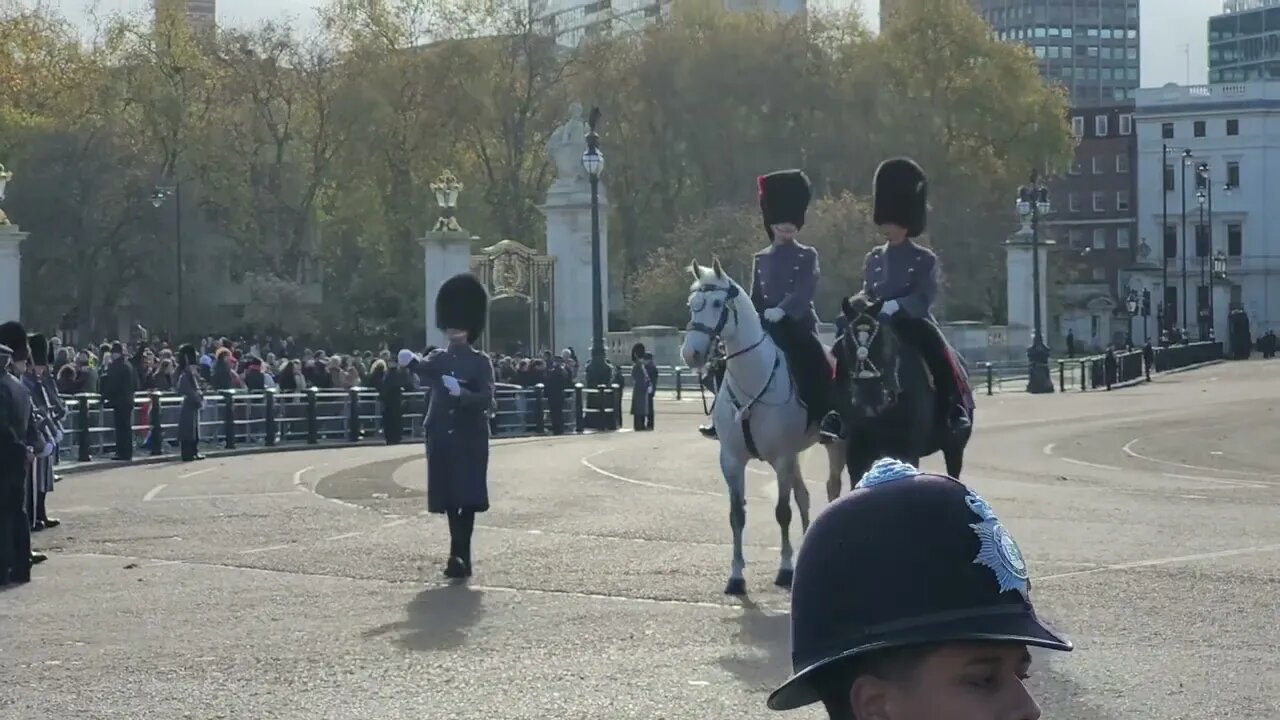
point(236, 418)
point(1129, 365)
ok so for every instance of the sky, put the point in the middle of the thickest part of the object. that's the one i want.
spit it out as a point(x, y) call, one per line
point(1173, 31)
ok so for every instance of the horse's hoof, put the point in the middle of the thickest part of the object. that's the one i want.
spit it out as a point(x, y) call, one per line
point(784, 578)
point(736, 586)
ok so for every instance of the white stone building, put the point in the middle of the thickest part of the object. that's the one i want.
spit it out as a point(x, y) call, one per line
point(1235, 130)
point(571, 22)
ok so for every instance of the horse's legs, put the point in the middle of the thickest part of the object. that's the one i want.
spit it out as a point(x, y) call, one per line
point(802, 496)
point(859, 461)
point(787, 472)
point(835, 467)
point(734, 471)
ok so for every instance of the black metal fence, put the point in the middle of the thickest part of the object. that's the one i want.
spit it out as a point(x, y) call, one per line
point(231, 419)
point(1094, 372)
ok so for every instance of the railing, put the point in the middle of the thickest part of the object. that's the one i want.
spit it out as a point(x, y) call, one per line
point(234, 418)
point(1092, 373)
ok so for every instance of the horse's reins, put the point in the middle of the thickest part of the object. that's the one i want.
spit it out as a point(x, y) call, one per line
point(713, 334)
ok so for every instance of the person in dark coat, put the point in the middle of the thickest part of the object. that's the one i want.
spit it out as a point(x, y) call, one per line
point(948, 636)
point(460, 379)
point(556, 386)
point(118, 388)
point(640, 385)
point(192, 401)
point(397, 381)
point(20, 444)
point(49, 407)
point(903, 276)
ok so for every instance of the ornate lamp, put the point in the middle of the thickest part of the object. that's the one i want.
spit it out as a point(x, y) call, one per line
point(5, 176)
point(446, 187)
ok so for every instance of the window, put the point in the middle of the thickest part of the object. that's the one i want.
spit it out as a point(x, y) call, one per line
point(1100, 125)
point(1235, 239)
point(1170, 241)
point(1099, 275)
point(1202, 241)
point(1098, 167)
point(1099, 238)
point(1233, 174)
point(1099, 200)
point(1166, 131)
point(1122, 199)
point(1168, 178)
point(1075, 237)
point(1095, 323)
point(1237, 296)
point(1202, 297)
point(1122, 163)
point(1197, 128)
point(1202, 181)
point(1126, 124)
point(1233, 126)
point(1077, 126)
point(1075, 168)
point(1073, 204)
point(1122, 237)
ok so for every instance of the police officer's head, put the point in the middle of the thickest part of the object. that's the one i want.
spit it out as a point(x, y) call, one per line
point(901, 197)
point(910, 597)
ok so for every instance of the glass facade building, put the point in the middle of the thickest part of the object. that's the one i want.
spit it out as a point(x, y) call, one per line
point(1244, 41)
point(1090, 47)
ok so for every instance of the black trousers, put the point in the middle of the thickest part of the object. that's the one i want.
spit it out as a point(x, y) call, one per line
point(123, 417)
point(189, 447)
point(928, 340)
point(15, 527)
point(461, 524)
point(807, 360)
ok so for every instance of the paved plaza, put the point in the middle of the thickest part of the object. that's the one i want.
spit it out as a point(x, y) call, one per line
point(304, 584)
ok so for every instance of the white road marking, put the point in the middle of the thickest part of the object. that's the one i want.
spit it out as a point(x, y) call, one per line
point(194, 473)
point(586, 461)
point(1128, 450)
point(224, 496)
point(1220, 481)
point(297, 476)
point(1099, 466)
point(1163, 561)
point(1048, 449)
point(151, 494)
point(343, 536)
point(262, 549)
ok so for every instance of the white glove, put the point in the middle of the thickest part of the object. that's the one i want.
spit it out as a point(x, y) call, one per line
point(58, 435)
point(47, 451)
point(774, 314)
point(451, 384)
point(889, 307)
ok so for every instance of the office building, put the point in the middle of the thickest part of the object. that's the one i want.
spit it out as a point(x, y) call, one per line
point(1090, 47)
point(1234, 130)
point(1244, 41)
point(201, 14)
point(571, 22)
point(1094, 223)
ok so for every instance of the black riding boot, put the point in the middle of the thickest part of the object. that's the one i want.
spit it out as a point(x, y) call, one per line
point(959, 420)
point(831, 429)
point(461, 523)
point(708, 431)
point(42, 515)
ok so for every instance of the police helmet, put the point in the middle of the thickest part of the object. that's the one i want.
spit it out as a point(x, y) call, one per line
point(906, 559)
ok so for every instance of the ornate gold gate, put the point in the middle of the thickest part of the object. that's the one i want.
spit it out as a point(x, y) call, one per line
point(510, 270)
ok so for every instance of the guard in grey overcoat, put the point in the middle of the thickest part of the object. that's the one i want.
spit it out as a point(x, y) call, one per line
point(48, 407)
point(20, 444)
point(460, 381)
point(641, 385)
point(192, 400)
point(903, 276)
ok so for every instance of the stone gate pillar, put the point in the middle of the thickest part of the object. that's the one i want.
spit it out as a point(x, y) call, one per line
point(10, 271)
point(1019, 286)
point(446, 251)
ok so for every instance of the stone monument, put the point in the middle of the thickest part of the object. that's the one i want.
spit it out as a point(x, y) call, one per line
point(568, 213)
point(10, 261)
point(446, 250)
point(1019, 284)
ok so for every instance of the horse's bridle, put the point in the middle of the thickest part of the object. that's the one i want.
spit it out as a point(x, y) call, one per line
point(861, 333)
point(713, 333)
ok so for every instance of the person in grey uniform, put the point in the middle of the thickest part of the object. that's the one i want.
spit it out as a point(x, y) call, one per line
point(20, 444)
point(48, 407)
point(903, 276)
point(192, 400)
point(784, 281)
point(460, 378)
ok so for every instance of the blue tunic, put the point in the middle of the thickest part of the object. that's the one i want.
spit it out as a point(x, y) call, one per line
point(785, 275)
point(457, 429)
point(905, 272)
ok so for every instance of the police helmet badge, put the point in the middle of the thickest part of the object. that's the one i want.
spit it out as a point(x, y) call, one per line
point(997, 549)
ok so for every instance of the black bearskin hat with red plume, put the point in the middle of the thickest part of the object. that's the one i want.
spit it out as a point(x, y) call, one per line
point(784, 198)
point(462, 304)
point(901, 195)
point(14, 336)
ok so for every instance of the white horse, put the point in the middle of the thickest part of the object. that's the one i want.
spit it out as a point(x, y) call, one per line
point(757, 393)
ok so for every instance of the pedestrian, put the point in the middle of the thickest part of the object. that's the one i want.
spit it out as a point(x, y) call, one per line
point(460, 378)
point(20, 445)
point(651, 367)
point(911, 600)
point(118, 388)
point(192, 402)
point(640, 385)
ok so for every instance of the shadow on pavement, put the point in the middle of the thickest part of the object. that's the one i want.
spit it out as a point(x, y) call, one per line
point(761, 658)
point(438, 619)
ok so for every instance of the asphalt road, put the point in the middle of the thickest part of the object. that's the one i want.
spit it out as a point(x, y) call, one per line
point(304, 585)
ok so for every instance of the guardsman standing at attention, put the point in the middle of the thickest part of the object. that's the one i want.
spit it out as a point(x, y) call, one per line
point(20, 444)
point(457, 422)
point(49, 409)
point(912, 601)
point(903, 275)
point(192, 400)
point(784, 281)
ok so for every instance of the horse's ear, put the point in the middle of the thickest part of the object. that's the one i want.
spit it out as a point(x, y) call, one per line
point(695, 270)
point(718, 268)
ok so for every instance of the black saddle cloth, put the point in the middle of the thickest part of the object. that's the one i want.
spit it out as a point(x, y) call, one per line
point(808, 364)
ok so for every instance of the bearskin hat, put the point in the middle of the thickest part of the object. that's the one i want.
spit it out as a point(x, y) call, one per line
point(784, 197)
point(901, 194)
point(39, 349)
point(462, 304)
point(187, 355)
point(15, 336)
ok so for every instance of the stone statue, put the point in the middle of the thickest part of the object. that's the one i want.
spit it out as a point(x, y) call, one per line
point(566, 145)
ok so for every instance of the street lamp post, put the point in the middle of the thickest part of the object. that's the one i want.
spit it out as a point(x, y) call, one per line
point(1202, 252)
point(1186, 162)
point(1033, 201)
point(1163, 310)
point(1218, 271)
point(158, 197)
point(1131, 305)
point(598, 372)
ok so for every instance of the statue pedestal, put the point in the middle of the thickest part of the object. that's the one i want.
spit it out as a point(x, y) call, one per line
point(568, 213)
point(11, 272)
point(445, 253)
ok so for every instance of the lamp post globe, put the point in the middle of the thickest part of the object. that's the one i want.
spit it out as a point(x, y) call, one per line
point(598, 371)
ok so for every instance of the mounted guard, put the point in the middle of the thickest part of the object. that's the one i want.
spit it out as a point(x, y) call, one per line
point(784, 281)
